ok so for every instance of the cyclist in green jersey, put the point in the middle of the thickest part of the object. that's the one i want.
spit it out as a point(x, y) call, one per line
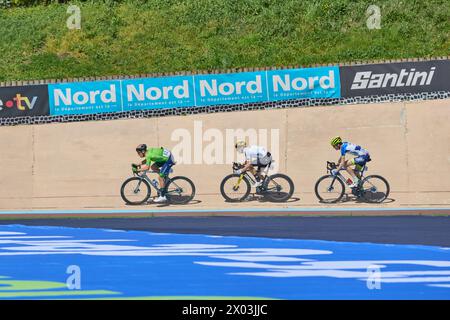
point(159, 160)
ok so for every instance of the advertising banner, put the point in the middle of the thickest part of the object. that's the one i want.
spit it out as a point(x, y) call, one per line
point(233, 88)
point(225, 89)
point(307, 83)
point(157, 93)
point(85, 97)
point(24, 101)
point(395, 78)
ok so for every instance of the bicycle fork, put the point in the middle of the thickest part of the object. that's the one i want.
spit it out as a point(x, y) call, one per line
point(236, 186)
point(136, 190)
point(331, 188)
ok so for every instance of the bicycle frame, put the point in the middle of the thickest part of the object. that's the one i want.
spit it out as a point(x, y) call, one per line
point(143, 175)
point(251, 177)
point(332, 166)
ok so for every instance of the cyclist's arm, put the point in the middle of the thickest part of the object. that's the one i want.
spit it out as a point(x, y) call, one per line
point(341, 162)
point(143, 167)
point(247, 165)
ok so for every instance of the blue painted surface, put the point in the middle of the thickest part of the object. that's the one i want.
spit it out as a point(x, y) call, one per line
point(143, 264)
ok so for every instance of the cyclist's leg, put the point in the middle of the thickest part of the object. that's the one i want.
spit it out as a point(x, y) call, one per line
point(262, 163)
point(265, 162)
point(349, 164)
point(164, 173)
point(155, 167)
point(358, 170)
point(359, 163)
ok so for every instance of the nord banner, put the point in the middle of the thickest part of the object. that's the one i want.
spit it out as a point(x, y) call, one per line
point(24, 101)
point(158, 93)
point(233, 88)
point(307, 83)
point(85, 97)
point(395, 78)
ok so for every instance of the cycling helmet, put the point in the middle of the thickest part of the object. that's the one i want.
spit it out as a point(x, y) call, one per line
point(335, 141)
point(141, 148)
point(240, 144)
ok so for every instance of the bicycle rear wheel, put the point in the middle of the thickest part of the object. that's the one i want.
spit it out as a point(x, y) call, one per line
point(235, 189)
point(329, 189)
point(180, 190)
point(279, 188)
point(375, 189)
point(135, 191)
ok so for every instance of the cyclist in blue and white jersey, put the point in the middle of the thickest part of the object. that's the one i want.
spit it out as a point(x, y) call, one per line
point(361, 158)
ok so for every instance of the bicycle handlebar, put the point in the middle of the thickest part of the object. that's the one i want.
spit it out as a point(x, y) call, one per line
point(133, 167)
point(331, 166)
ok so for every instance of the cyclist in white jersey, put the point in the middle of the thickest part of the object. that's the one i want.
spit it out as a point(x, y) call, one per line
point(361, 158)
point(255, 156)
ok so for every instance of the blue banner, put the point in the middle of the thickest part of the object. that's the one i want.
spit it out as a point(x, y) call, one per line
point(157, 93)
point(308, 83)
point(84, 97)
point(233, 88)
point(191, 91)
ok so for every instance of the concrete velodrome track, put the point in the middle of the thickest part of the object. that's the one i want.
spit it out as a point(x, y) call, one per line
point(82, 165)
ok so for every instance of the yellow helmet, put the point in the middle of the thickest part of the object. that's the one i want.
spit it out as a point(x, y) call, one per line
point(335, 141)
point(240, 144)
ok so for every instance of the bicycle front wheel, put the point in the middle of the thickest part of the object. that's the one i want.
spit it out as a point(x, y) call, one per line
point(135, 191)
point(180, 190)
point(329, 189)
point(279, 188)
point(375, 189)
point(234, 188)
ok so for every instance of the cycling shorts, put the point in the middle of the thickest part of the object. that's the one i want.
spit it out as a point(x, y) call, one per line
point(164, 167)
point(361, 160)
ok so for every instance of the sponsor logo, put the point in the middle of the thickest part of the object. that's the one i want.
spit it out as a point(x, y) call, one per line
point(230, 88)
point(404, 78)
point(306, 83)
point(288, 82)
point(140, 93)
point(85, 97)
point(20, 102)
point(155, 93)
point(23, 101)
point(68, 97)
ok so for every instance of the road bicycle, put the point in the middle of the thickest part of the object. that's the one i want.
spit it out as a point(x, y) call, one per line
point(236, 187)
point(331, 188)
point(137, 189)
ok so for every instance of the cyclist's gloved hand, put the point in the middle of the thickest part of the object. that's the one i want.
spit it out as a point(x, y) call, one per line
point(134, 167)
point(334, 172)
point(239, 171)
